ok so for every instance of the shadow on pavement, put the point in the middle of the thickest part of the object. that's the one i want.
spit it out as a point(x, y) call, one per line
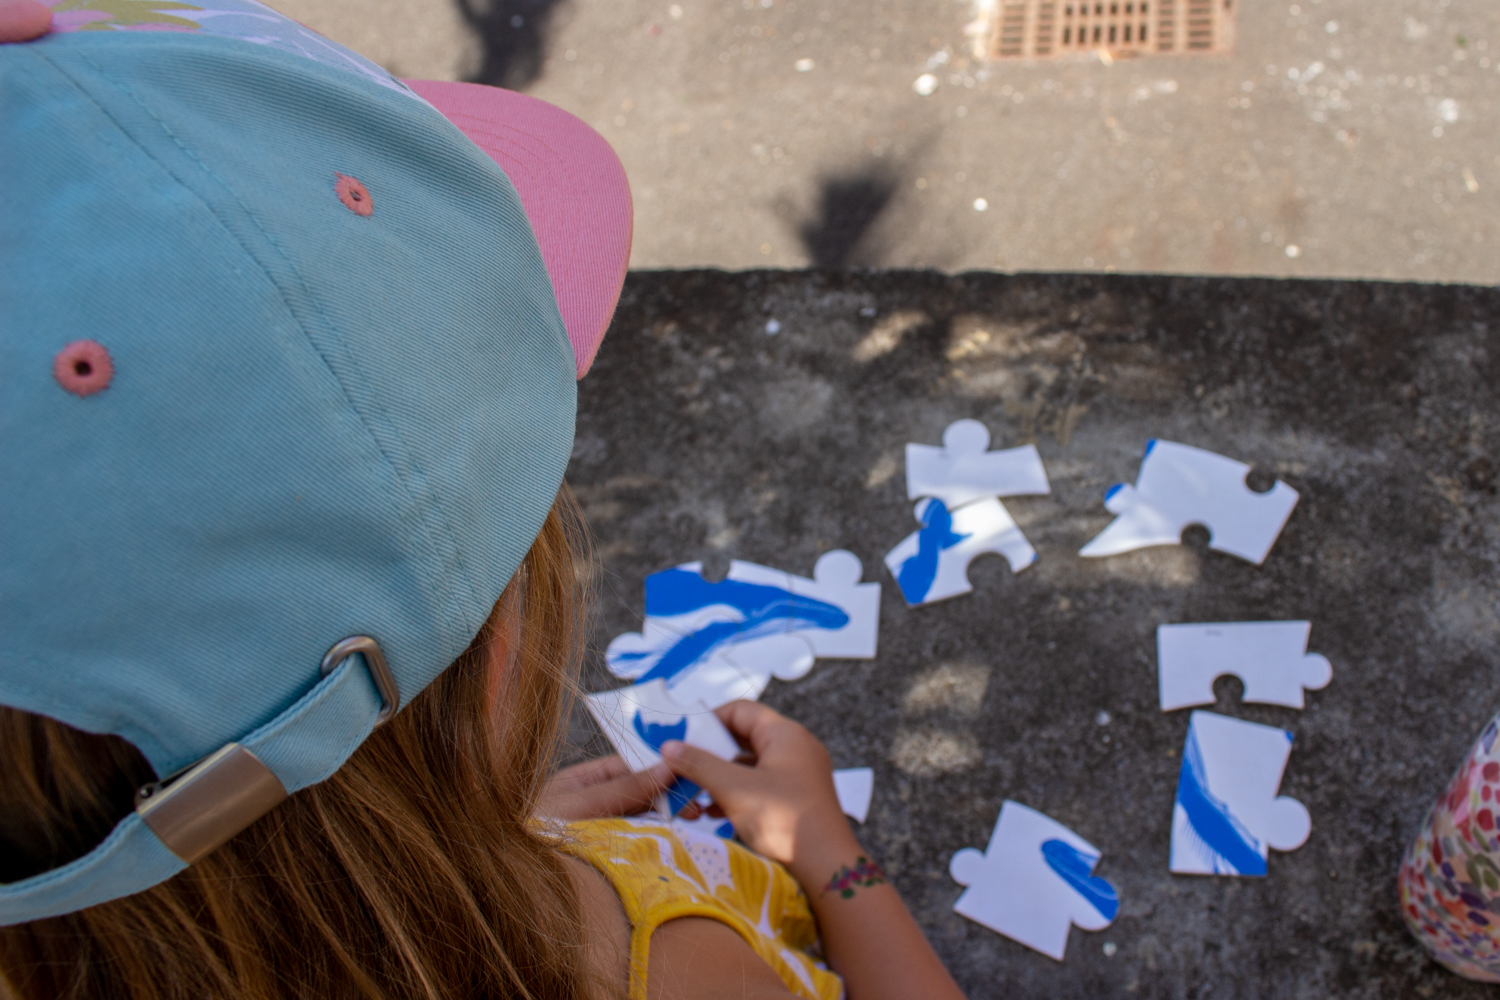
point(848, 206)
point(513, 37)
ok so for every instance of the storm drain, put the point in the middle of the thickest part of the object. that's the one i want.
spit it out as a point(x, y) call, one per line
point(1043, 29)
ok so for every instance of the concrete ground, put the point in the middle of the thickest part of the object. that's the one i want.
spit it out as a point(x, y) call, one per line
point(1341, 138)
point(701, 436)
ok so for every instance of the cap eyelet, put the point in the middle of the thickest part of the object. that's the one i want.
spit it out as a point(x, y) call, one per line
point(354, 195)
point(83, 367)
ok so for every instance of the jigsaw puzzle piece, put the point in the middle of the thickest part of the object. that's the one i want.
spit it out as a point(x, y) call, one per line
point(1033, 882)
point(855, 787)
point(640, 718)
point(786, 657)
point(691, 622)
point(1271, 659)
point(1178, 486)
point(836, 584)
point(1227, 815)
point(964, 470)
point(932, 564)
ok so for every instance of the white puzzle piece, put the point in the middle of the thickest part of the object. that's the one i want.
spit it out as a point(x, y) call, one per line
point(963, 470)
point(1178, 486)
point(835, 581)
point(932, 564)
point(640, 718)
point(1270, 658)
point(1227, 815)
point(721, 641)
point(1033, 882)
point(855, 787)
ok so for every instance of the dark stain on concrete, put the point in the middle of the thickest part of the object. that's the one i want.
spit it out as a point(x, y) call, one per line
point(700, 436)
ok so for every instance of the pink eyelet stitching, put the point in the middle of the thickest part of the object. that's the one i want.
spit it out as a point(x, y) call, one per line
point(83, 367)
point(354, 195)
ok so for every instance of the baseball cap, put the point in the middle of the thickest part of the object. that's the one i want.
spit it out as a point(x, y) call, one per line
point(288, 363)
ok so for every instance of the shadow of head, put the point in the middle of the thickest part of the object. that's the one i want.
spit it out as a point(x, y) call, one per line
point(512, 38)
point(848, 205)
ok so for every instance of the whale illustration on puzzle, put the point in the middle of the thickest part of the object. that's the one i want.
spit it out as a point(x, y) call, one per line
point(715, 642)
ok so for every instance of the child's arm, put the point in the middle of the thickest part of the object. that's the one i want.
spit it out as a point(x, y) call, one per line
point(784, 807)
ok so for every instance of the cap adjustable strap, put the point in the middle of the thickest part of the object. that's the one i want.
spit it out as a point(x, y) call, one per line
point(213, 800)
point(210, 802)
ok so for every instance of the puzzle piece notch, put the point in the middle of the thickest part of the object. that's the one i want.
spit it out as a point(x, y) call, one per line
point(855, 787)
point(1270, 659)
point(932, 564)
point(639, 718)
point(1178, 486)
point(1033, 882)
point(964, 470)
point(1227, 814)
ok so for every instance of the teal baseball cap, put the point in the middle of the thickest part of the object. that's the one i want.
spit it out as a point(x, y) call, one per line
point(288, 364)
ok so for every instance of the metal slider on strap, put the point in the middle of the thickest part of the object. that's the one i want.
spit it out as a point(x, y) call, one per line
point(199, 810)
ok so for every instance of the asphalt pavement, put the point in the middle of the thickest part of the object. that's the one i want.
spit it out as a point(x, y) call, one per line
point(701, 436)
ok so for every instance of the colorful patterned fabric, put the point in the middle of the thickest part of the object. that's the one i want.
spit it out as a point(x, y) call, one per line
point(1450, 877)
point(246, 20)
point(662, 872)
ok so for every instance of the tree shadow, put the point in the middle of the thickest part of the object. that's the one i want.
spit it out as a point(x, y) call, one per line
point(848, 206)
point(512, 36)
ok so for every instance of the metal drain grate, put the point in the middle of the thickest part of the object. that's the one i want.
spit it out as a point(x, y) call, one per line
point(1043, 29)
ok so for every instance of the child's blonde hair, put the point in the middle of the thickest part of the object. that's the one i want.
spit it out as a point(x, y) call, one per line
point(416, 871)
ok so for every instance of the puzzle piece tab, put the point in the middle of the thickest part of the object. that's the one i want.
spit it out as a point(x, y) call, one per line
point(1178, 486)
point(1033, 882)
point(932, 564)
point(963, 470)
point(855, 787)
point(721, 641)
point(1271, 659)
point(640, 718)
point(1227, 815)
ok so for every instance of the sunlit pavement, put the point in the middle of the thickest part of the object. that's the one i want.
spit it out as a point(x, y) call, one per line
point(1343, 138)
point(702, 436)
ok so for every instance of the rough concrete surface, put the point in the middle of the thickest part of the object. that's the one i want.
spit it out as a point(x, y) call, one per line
point(1351, 133)
point(701, 436)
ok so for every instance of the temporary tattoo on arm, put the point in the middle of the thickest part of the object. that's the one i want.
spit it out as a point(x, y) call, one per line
point(864, 874)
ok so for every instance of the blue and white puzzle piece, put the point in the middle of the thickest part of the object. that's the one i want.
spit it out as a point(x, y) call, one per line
point(960, 513)
point(716, 642)
point(855, 786)
point(1033, 882)
point(963, 470)
point(932, 563)
point(640, 718)
point(1227, 815)
point(1270, 658)
point(1179, 485)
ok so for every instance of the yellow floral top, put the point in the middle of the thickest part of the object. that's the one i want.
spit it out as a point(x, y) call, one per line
point(662, 872)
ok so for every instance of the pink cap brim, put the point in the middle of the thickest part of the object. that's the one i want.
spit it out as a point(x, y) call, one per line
point(572, 188)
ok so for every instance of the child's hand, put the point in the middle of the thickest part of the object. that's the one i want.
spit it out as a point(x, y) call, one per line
point(601, 788)
point(782, 804)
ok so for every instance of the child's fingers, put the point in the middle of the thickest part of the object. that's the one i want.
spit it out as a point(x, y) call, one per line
point(701, 767)
point(625, 794)
point(765, 729)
